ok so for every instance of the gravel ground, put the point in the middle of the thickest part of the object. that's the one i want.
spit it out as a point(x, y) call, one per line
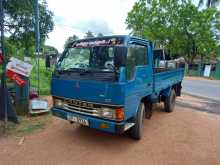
point(184, 137)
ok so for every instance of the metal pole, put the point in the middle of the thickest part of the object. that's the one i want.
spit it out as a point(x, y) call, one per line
point(4, 86)
point(37, 36)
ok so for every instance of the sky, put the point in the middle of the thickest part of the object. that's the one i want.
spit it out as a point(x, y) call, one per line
point(79, 16)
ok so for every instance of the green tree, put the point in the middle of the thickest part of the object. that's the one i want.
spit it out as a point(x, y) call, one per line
point(50, 50)
point(20, 22)
point(89, 34)
point(10, 48)
point(186, 31)
point(71, 39)
point(100, 35)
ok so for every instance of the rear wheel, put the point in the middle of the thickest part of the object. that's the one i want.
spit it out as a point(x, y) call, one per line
point(170, 102)
point(137, 130)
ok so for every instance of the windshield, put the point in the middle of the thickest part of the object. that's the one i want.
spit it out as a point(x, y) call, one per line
point(98, 58)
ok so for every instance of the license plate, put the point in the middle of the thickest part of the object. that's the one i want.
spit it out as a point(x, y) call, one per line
point(78, 120)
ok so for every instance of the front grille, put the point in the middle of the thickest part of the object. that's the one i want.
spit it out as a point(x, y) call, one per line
point(86, 111)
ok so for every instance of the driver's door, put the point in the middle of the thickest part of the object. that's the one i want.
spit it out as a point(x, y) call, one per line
point(139, 75)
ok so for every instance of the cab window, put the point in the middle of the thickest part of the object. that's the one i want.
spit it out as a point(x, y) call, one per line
point(137, 56)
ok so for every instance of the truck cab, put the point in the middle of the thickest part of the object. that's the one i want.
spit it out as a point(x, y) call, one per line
point(109, 83)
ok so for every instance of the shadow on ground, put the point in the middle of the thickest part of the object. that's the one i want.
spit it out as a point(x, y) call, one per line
point(201, 104)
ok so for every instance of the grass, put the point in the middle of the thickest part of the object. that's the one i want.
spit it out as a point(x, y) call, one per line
point(45, 77)
point(27, 125)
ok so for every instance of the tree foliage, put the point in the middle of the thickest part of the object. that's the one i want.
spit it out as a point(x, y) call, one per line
point(50, 50)
point(89, 34)
point(71, 39)
point(100, 35)
point(19, 22)
point(178, 25)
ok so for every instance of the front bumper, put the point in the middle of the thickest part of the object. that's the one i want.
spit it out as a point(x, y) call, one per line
point(112, 127)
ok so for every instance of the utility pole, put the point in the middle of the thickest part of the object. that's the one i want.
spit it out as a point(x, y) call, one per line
point(3, 83)
point(37, 37)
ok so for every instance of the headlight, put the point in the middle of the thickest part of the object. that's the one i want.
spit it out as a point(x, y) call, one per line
point(58, 103)
point(108, 113)
point(116, 114)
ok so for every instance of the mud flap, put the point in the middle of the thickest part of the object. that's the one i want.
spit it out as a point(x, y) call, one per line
point(148, 110)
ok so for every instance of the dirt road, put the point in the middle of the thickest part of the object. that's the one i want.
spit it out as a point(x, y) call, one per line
point(184, 137)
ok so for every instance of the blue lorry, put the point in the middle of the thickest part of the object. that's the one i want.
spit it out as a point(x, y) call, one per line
point(110, 83)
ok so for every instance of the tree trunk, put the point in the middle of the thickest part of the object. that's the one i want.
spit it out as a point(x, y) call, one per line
point(26, 51)
point(201, 64)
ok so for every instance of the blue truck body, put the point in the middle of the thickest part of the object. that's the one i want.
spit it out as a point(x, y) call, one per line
point(147, 85)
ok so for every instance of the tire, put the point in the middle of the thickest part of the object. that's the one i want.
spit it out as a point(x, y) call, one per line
point(136, 131)
point(170, 101)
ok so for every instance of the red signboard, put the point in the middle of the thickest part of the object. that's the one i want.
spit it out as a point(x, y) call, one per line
point(13, 76)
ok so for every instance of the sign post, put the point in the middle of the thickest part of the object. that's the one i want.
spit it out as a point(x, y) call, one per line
point(6, 109)
point(3, 83)
point(37, 40)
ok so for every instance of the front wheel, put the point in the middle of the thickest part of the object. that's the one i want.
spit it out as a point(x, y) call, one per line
point(170, 102)
point(137, 130)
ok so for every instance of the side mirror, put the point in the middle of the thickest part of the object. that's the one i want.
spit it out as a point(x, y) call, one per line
point(120, 56)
